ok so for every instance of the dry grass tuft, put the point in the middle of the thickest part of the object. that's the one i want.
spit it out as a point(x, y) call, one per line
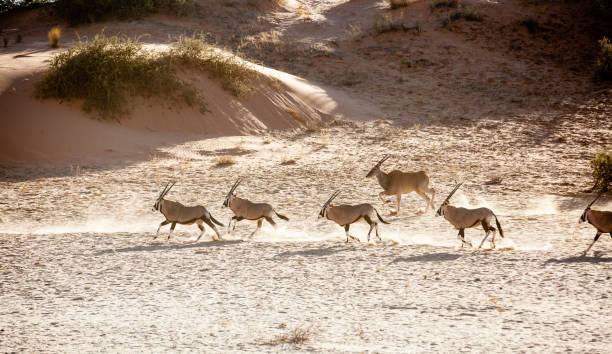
point(54, 36)
point(224, 161)
point(287, 161)
point(297, 336)
point(494, 180)
point(296, 115)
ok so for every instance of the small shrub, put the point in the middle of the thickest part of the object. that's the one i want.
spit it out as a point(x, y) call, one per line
point(603, 64)
point(54, 36)
point(224, 161)
point(396, 4)
point(602, 171)
point(19, 38)
point(295, 114)
point(5, 40)
point(296, 336)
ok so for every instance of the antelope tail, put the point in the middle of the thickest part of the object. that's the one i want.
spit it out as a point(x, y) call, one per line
point(281, 216)
point(501, 233)
point(215, 221)
point(379, 218)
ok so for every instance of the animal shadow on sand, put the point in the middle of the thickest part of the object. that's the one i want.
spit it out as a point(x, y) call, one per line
point(596, 258)
point(160, 247)
point(431, 257)
point(318, 252)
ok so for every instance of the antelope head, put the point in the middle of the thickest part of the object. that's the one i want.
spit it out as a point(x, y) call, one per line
point(162, 195)
point(377, 166)
point(440, 211)
point(583, 216)
point(231, 193)
point(323, 212)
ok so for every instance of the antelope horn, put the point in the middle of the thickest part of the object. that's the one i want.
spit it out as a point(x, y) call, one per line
point(161, 194)
point(334, 195)
point(383, 160)
point(234, 187)
point(168, 190)
point(453, 192)
point(594, 200)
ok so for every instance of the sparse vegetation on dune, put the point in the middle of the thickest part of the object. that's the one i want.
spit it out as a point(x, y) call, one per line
point(106, 71)
point(233, 72)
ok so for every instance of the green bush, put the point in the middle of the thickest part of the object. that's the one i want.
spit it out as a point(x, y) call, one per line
point(603, 64)
point(106, 72)
point(234, 73)
point(602, 171)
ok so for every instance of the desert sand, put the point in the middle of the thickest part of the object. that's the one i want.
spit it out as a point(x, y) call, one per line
point(80, 271)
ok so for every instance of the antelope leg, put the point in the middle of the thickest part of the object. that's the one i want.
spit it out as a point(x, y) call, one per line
point(210, 223)
point(259, 222)
point(486, 228)
point(171, 229)
point(494, 230)
point(201, 233)
point(592, 243)
point(165, 222)
point(427, 200)
point(269, 219)
point(399, 199)
point(371, 223)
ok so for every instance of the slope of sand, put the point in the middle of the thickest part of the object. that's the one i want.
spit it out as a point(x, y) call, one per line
point(80, 271)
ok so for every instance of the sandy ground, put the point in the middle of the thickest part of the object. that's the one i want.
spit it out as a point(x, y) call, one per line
point(80, 271)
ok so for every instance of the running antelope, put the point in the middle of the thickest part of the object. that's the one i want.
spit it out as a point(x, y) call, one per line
point(177, 213)
point(462, 218)
point(397, 183)
point(345, 215)
point(601, 220)
point(245, 209)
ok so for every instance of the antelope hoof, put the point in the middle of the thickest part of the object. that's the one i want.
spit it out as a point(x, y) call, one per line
point(420, 212)
point(393, 212)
